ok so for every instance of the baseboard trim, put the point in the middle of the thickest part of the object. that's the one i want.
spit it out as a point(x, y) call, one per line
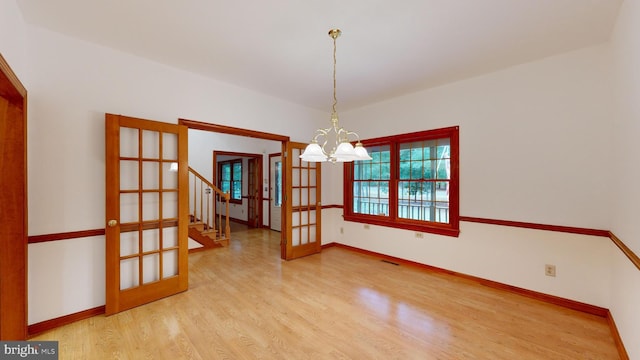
point(47, 325)
point(238, 221)
point(622, 351)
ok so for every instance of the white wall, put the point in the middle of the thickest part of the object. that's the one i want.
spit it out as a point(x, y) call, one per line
point(74, 84)
point(625, 289)
point(534, 141)
point(13, 35)
point(532, 137)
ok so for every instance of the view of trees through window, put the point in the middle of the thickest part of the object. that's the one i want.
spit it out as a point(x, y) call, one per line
point(408, 179)
point(278, 184)
point(423, 184)
point(423, 179)
point(231, 178)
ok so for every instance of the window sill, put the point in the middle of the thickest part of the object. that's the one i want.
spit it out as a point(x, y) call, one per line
point(445, 229)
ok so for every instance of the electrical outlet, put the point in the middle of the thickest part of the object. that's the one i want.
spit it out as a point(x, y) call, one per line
point(550, 270)
point(366, 226)
point(341, 231)
point(419, 235)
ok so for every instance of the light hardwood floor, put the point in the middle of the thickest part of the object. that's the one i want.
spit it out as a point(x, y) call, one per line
point(246, 303)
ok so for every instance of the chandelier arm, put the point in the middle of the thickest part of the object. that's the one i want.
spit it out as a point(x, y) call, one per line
point(322, 133)
point(342, 135)
point(354, 134)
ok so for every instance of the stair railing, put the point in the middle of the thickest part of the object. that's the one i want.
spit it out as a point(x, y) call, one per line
point(203, 201)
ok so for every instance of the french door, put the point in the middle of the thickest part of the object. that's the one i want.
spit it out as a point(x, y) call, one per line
point(146, 211)
point(304, 210)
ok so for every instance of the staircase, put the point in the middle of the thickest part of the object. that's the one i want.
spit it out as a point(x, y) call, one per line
point(207, 224)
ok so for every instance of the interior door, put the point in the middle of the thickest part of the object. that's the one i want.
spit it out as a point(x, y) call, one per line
point(304, 213)
point(254, 185)
point(275, 192)
point(146, 211)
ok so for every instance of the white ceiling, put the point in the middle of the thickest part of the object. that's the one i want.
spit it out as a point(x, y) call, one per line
point(281, 47)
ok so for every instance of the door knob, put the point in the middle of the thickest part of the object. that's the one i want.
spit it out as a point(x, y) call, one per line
point(112, 223)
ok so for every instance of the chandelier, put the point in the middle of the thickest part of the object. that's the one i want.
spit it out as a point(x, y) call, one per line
point(335, 137)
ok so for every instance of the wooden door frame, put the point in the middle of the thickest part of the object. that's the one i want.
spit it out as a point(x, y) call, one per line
point(242, 156)
point(13, 207)
point(230, 130)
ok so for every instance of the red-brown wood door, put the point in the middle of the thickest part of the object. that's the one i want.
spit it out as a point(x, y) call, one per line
point(13, 205)
point(146, 211)
point(304, 208)
point(254, 185)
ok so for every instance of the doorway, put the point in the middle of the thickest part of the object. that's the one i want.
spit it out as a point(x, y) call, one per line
point(240, 174)
point(301, 223)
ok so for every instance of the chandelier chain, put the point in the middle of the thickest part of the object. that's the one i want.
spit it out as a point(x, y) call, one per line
point(335, 98)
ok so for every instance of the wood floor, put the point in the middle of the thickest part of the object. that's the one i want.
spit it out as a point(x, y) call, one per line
point(246, 303)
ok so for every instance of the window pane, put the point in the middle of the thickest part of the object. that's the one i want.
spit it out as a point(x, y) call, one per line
point(426, 152)
point(416, 169)
point(226, 172)
point(423, 200)
point(278, 184)
point(375, 171)
point(237, 170)
point(416, 152)
point(237, 190)
point(377, 168)
point(225, 186)
point(428, 169)
point(371, 185)
point(405, 170)
point(231, 178)
point(419, 198)
point(405, 152)
point(444, 169)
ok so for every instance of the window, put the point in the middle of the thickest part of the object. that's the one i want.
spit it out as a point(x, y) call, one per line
point(277, 200)
point(410, 183)
point(230, 179)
